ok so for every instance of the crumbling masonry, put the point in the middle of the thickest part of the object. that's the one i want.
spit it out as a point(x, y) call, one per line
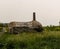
point(17, 27)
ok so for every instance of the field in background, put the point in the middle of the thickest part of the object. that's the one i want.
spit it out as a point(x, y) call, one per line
point(42, 40)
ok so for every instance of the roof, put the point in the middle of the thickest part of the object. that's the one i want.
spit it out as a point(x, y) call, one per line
point(25, 24)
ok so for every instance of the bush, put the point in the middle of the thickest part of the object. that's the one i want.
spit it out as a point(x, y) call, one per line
point(57, 29)
point(10, 45)
point(22, 44)
point(1, 29)
point(38, 29)
point(1, 45)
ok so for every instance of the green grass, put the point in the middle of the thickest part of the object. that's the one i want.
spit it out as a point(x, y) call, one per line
point(43, 40)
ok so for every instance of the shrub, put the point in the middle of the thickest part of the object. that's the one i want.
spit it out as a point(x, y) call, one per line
point(1, 45)
point(38, 29)
point(22, 44)
point(10, 45)
point(1, 29)
point(57, 29)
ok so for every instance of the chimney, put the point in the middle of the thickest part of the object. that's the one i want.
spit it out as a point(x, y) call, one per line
point(34, 16)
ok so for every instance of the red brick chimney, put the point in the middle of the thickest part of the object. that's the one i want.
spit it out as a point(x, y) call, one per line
point(34, 16)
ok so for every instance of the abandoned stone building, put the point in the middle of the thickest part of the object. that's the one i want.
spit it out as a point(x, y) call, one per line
point(17, 27)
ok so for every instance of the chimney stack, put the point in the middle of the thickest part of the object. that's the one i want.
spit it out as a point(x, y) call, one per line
point(34, 16)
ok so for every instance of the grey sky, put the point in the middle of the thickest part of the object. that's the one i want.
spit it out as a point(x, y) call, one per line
point(47, 11)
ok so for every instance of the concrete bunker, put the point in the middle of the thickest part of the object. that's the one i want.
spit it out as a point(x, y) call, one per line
point(17, 27)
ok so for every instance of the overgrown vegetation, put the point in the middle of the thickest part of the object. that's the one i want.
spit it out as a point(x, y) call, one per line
point(43, 40)
point(48, 39)
point(52, 28)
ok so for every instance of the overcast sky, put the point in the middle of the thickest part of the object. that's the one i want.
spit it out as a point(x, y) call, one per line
point(47, 11)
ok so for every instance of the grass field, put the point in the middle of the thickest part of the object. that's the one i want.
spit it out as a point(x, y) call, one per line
point(43, 40)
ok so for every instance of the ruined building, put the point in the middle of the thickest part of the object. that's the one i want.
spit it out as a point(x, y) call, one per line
point(17, 27)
